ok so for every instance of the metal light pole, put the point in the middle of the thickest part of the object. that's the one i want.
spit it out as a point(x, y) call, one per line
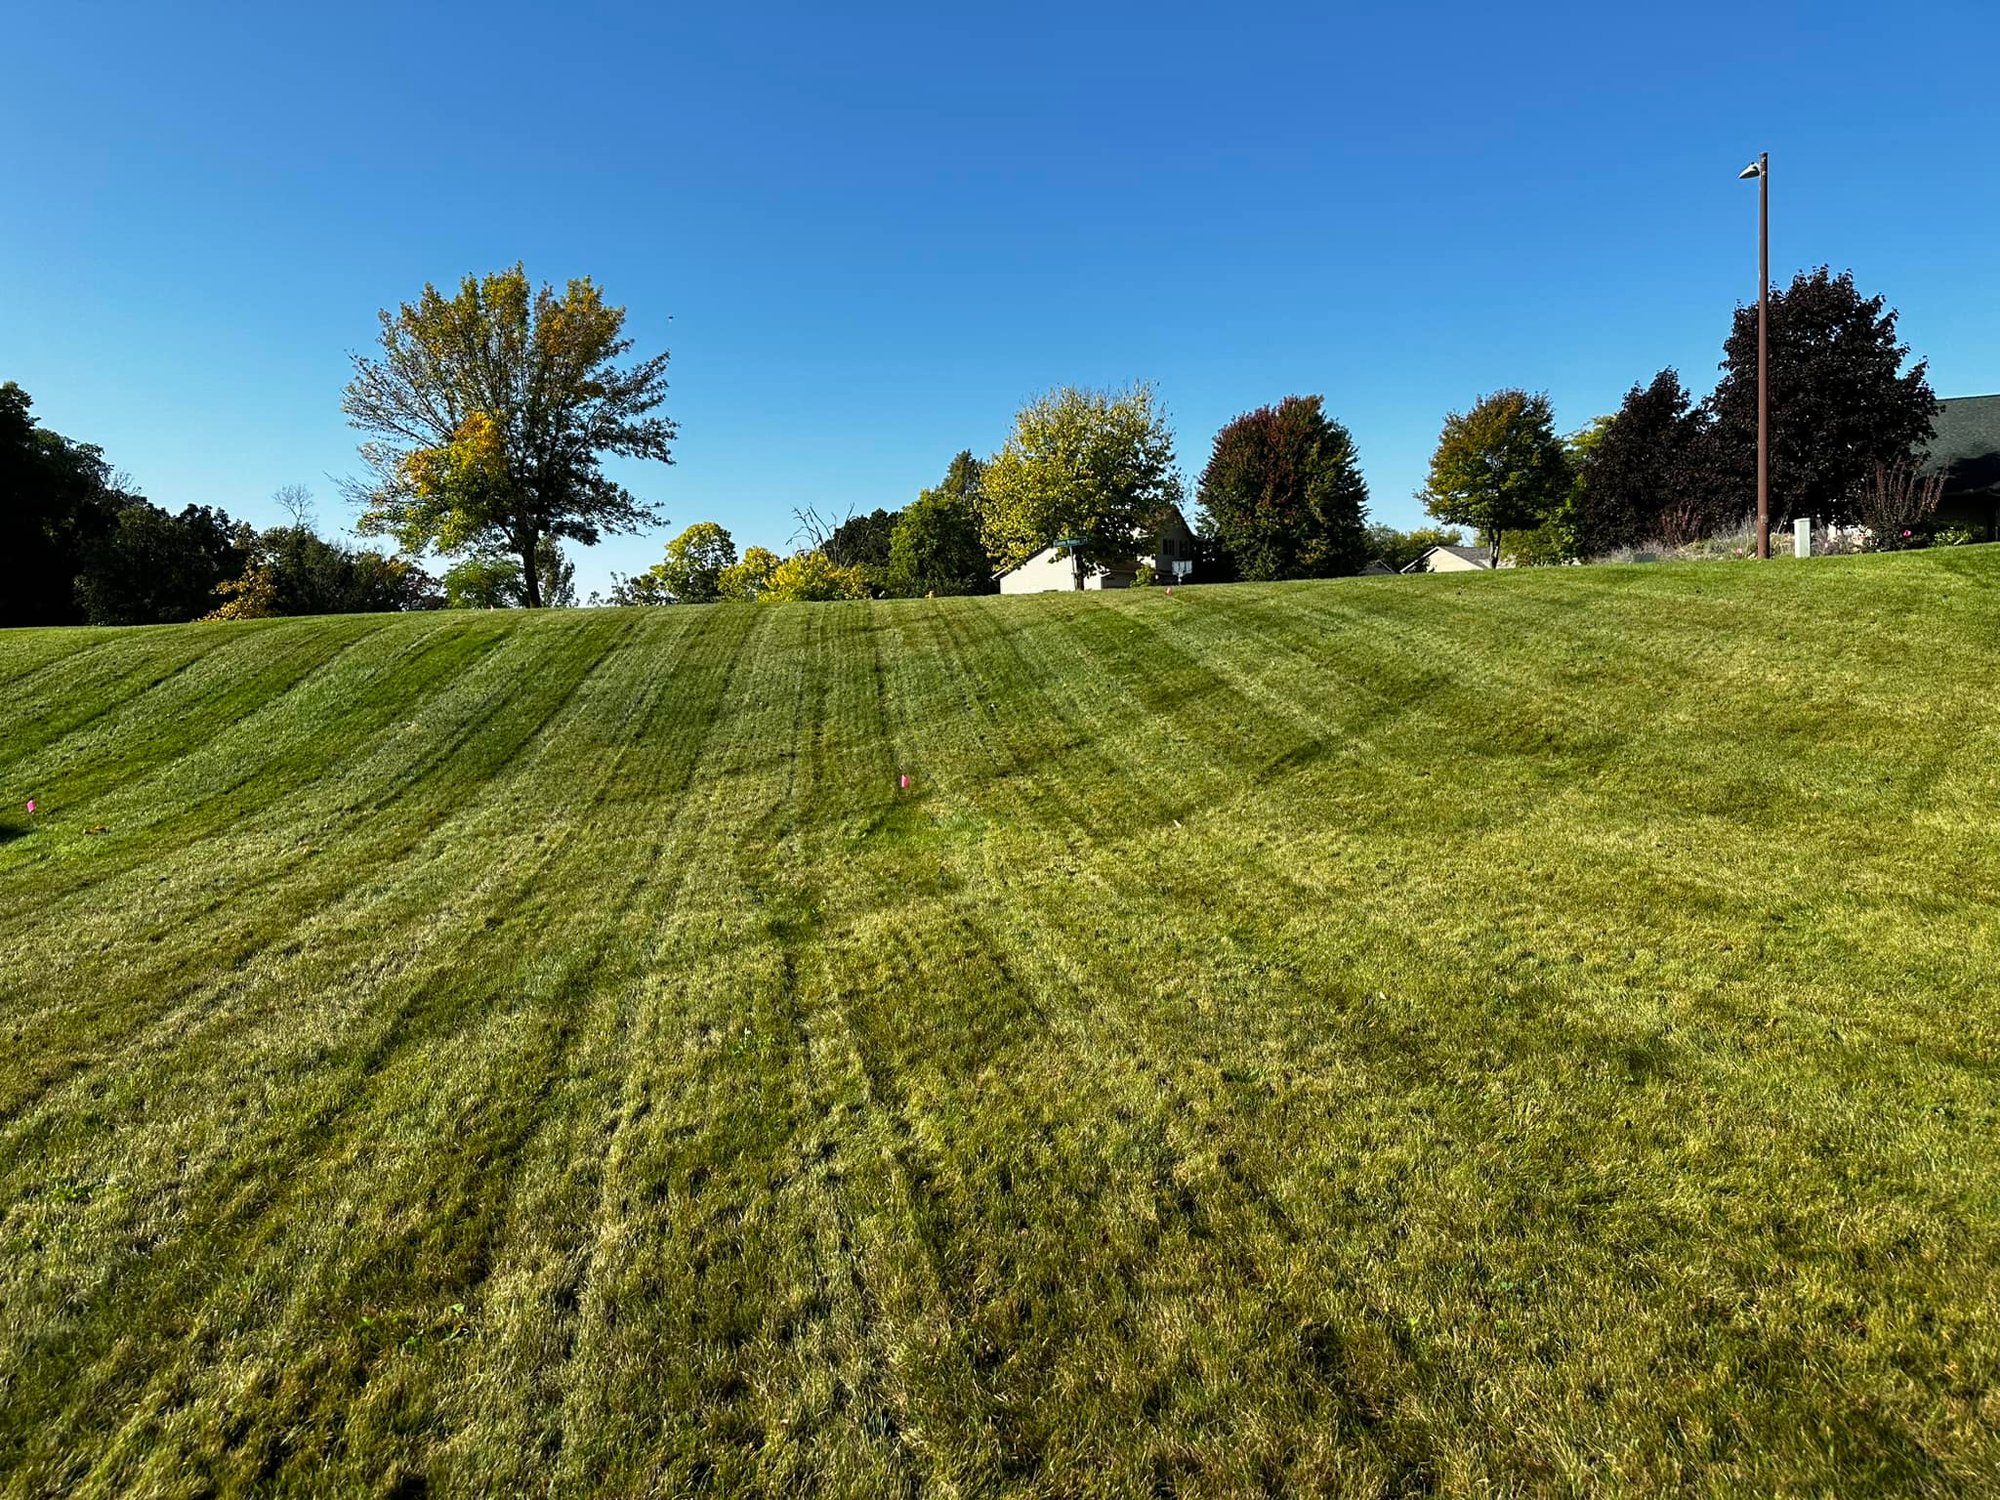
point(1761, 170)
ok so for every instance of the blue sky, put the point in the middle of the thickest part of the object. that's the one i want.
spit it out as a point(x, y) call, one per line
point(868, 237)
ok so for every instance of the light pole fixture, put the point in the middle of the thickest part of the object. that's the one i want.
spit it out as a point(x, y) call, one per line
point(1761, 170)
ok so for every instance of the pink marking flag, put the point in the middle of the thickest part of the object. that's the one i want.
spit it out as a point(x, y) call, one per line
point(31, 804)
point(903, 781)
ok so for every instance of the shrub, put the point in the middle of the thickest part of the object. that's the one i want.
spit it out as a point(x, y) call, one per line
point(1896, 507)
point(810, 577)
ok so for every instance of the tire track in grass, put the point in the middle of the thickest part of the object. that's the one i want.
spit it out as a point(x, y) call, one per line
point(1397, 1087)
point(359, 942)
point(877, 1295)
point(1083, 942)
point(543, 1121)
point(1069, 776)
point(23, 653)
point(504, 1417)
point(743, 1323)
point(988, 1431)
point(1080, 1042)
point(690, 1262)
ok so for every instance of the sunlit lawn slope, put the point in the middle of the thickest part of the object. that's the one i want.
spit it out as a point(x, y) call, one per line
point(1519, 1034)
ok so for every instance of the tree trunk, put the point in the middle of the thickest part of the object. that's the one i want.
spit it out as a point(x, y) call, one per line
point(1493, 552)
point(531, 583)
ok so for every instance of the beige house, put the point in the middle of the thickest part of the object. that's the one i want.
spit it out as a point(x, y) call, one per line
point(1051, 571)
point(1452, 559)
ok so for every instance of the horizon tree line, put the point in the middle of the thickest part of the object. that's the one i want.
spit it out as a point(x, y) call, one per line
point(487, 414)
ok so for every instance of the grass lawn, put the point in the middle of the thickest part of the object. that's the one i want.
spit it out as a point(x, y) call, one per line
point(1521, 1034)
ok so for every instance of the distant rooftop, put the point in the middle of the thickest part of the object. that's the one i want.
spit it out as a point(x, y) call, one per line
point(1967, 427)
point(1967, 442)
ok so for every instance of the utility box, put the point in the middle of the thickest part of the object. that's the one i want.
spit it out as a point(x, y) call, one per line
point(1802, 537)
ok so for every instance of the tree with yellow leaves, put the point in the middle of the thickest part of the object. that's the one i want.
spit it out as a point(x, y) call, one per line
point(489, 413)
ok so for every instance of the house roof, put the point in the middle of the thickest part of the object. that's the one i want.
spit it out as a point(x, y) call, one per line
point(1967, 442)
point(1477, 556)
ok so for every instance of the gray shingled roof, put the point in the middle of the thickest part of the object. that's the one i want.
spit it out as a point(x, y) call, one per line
point(1967, 443)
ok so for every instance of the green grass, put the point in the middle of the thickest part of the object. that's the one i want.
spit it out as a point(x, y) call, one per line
point(1524, 1034)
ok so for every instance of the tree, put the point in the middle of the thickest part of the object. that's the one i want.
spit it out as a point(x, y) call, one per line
point(1640, 469)
point(1284, 495)
point(1841, 402)
point(153, 568)
point(491, 412)
point(743, 581)
point(1094, 465)
point(1498, 467)
point(58, 499)
point(291, 571)
point(696, 561)
point(492, 580)
point(691, 572)
point(807, 577)
point(484, 580)
point(863, 542)
point(296, 501)
point(936, 548)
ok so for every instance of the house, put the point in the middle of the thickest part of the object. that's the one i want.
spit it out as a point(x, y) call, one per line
point(1448, 558)
point(1051, 570)
point(1966, 451)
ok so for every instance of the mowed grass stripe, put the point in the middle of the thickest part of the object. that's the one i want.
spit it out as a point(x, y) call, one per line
point(196, 785)
point(243, 893)
point(100, 678)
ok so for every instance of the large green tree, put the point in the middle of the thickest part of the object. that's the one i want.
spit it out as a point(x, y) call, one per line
point(863, 542)
point(1283, 493)
point(153, 568)
point(1499, 467)
point(690, 573)
point(1842, 401)
point(1644, 474)
point(1097, 466)
point(490, 412)
point(58, 500)
point(937, 549)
